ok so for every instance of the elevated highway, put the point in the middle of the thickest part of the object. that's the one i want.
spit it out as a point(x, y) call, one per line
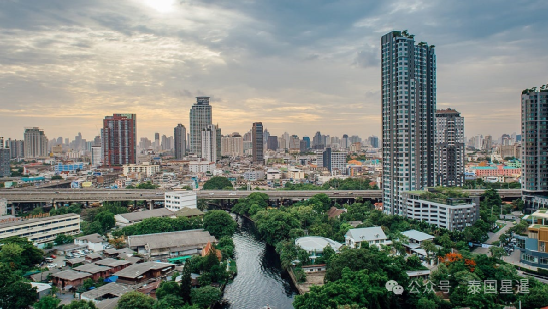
point(102, 195)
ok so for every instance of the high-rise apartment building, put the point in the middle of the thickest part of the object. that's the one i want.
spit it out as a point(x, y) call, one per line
point(294, 143)
point(373, 141)
point(408, 78)
point(317, 141)
point(449, 148)
point(257, 142)
point(218, 141)
point(534, 130)
point(307, 141)
point(96, 156)
point(232, 145)
point(334, 161)
point(4, 160)
point(209, 143)
point(119, 139)
point(179, 133)
point(487, 143)
point(200, 118)
point(36, 143)
point(16, 147)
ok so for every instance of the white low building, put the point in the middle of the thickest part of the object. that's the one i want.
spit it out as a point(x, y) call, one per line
point(374, 236)
point(144, 169)
point(176, 200)
point(94, 242)
point(201, 166)
point(41, 230)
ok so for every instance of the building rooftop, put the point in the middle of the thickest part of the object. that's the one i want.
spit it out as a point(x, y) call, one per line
point(367, 233)
point(417, 235)
point(137, 270)
point(141, 215)
point(108, 303)
point(316, 243)
point(40, 287)
point(190, 238)
point(110, 289)
point(34, 220)
point(42, 276)
point(92, 238)
point(335, 212)
point(189, 212)
point(71, 275)
point(110, 262)
point(91, 268)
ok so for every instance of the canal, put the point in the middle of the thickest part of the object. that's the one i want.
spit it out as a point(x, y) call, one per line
point(260, 280)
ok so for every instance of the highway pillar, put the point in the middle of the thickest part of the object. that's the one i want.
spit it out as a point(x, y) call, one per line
point(55, 205)
point(151, 204)
point(13, 209)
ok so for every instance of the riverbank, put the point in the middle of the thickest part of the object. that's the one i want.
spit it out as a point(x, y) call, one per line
point(312, 279)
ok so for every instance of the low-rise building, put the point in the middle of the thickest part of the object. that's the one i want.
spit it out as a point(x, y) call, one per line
point(176, 200)
point(453, 214)
point(170, 244)
point(108, 291)
point(93, 242)
point(138, 273)
point(114, 265)
point(146, 169)
point(42, 230)
point(315, 245)
point(533, 247)
point(69, 279)
point(374, 236)
point(43, 289)
point(415, 240)
point(96, 271)
point(201, 167)
point(138, 216)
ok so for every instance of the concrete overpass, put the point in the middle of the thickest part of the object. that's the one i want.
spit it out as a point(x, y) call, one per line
point(102, 195)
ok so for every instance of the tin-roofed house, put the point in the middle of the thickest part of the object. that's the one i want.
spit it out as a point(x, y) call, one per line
point(374, 236)
point(138, 273)
point(170, 244)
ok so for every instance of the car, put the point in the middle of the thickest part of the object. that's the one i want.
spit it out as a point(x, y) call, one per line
point(232, 193)
point(211, 193)
point(53, 265)
point(53, 256)
point(49, 260)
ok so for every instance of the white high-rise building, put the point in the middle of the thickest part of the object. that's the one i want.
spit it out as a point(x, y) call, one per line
point(96, 156)
point(200, 118)
point(209, 143)
point(408, 79)
point(36, 143)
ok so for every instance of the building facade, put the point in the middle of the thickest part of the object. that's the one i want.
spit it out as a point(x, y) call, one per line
point(449, 148)
point(209, 143)
point(119, 139)
point(200, 118)
point(42, 230)
point(408, 81)
point(534, 181)
point(144, 168)
point(36, 143)
point(5, 157)
point(257, 142)
point(96, 156)
point(176, 200)
point(17, 148)
point(333, 160)
point(272, 143)
point(232, 145)
point(179, 134)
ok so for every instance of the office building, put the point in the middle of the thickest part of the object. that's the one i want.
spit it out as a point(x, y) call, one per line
point(306, 139)
point(200, 118)
point(534, 130)
point(43, 229)
point(179, 134)
point(272, 143)
point(408, 109)
point(119, 139)
point(487, 144)
point(318, 141)
point(36, 143)
point(209, 143)
point(257, 142)
point(176, 200)
point(334, 161)
point(449, 148)
point(16, 147)
point(294, 143)
point(96, 156)
point(373, 141)
point(302, 146)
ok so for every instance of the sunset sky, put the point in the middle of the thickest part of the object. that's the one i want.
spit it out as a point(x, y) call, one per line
point(297, 66)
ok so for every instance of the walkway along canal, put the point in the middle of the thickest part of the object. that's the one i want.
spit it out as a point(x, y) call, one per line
point(260, 280)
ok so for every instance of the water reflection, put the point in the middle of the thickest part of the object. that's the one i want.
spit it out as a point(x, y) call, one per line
point(260, 280)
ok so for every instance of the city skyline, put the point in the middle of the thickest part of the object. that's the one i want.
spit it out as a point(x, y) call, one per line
point(152, 58)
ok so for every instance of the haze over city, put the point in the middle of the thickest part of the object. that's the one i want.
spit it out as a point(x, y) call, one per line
point(297, 67)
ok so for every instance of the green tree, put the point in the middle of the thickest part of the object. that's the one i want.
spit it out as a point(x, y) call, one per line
point(47, 302)
point(62, 239)
point(167, 288)
point(496, 252)
point(135, 300)
point(14, 293)
point(275, 225)
point(30, 255)
point(80, 304)
point(219, 223)
point(205, 296)
point(217, 183)
point(106, 220)
point(11, 254)
point(226, 245)
point(186, 283)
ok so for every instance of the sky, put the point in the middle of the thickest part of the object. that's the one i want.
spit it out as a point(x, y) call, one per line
point(297, 66)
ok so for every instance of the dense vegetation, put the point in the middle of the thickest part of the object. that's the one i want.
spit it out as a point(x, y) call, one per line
point(218, 183)
point(335, 184)
point(143, 185)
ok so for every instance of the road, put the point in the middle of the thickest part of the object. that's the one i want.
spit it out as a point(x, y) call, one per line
point(494, 237)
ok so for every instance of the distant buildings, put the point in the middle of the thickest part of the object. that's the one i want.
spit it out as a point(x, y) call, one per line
point(96, 156)
point(449, 148)
point(534, 130)
point(146, 169)
point(333, 160)
point(5, 157)
point(119, 139)
point(200, 118)
point(36, 143)
point(408, 117)
point(272, 143)
point(257, 142)
point(373, 141)
point(232, 145)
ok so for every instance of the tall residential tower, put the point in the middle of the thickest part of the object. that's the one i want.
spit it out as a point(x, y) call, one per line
point(200, 118)
point(179, 134)
point(119, 139)
point(36, 143)
point(449, 148)
point(257, 142)
point(534, 130)
point(408, 82)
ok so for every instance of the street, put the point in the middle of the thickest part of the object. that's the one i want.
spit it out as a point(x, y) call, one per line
point(494, 237)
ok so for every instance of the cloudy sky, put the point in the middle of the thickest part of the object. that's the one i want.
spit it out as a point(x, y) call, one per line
point(296, 65)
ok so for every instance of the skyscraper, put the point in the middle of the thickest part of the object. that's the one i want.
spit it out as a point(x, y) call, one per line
point(374, 141)
point(179, 132)
point(119, 139)
point(534, 130)
point(209, 143)
point(317, 141)
point(218, 141)
point(36, 143)
point(4, 160)
point(408, 107)
point(487, 143)
point(200, 118)
point(307, 141)
point(232, 145)
point(272, 143)
point(17, 148)
point(257, 142)
point(449, 148)
point(333, 160)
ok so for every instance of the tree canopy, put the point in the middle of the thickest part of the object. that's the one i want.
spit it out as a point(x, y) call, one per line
point(219, 223)
point(218, 183)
